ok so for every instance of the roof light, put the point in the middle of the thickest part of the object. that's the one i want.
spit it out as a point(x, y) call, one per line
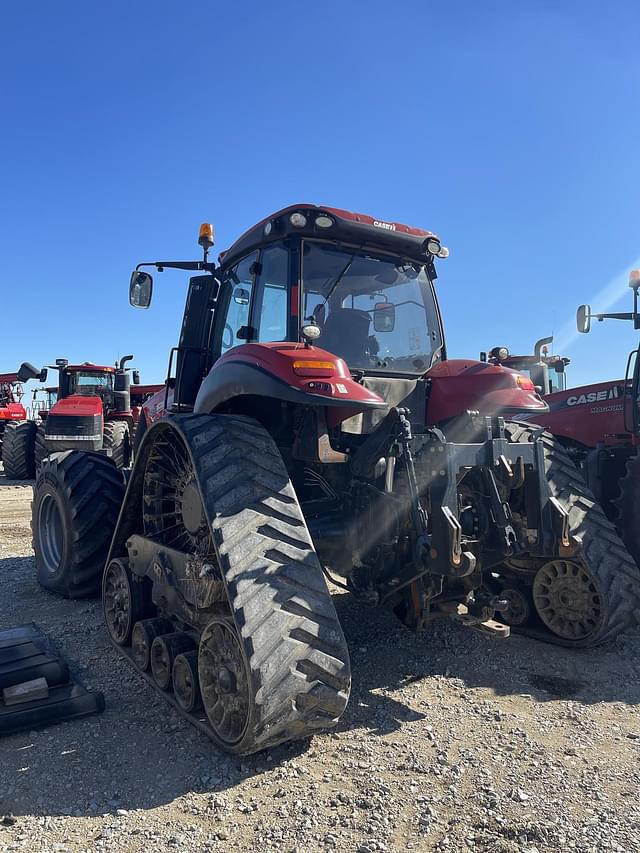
point(499, 353)
point(205, 238)
point(432, 245)
point(323, 221)
point(443, 253)
point(311, 331)
point(298, 220)
point(268, 228)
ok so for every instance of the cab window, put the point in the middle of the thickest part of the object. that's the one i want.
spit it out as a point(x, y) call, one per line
point(241, 277)
point(270, 311)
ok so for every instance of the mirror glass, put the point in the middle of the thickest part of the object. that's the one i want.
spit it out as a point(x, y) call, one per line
point(583, 318)
point(140, 289)
point(384, 317)
point(241, 296)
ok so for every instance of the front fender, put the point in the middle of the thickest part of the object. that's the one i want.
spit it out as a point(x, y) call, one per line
point(231, 379)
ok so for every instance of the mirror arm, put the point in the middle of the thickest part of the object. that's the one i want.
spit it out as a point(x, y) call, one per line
point(623, 316)
point(179, 265)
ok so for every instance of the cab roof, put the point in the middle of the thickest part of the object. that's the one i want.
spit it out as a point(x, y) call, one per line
point(344, 226)
point(87, 366)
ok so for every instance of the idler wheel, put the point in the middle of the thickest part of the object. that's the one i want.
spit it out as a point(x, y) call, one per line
point(518, 610)
point(123, 601)
point(224, 683)
point(567, 599)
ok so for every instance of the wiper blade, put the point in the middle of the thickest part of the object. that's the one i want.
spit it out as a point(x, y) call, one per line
point(341, 275)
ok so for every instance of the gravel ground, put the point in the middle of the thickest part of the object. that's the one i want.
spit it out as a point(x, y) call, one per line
point(450, 742)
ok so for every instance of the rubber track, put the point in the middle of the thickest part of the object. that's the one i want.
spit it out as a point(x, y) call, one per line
point(293, 643)
point(92, 489)
point(301, 686)
point(614, 570)
point(627, 505)
point(18, 445)
point(115, 437)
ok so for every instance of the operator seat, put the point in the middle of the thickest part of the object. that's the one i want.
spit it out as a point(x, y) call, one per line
point(346, 333)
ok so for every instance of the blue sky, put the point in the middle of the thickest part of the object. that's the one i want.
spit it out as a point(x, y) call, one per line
point(510, 129)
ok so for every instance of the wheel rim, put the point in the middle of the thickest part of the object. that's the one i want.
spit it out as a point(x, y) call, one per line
point(50, 533)
point(223, 682)
point(517, 612)
point(117, 602)
point(567, 599)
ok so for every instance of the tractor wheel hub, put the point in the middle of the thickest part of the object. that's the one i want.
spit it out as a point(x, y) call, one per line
point(191, 507)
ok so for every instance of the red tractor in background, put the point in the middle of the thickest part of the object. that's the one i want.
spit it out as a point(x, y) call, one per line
point(598, 424)
point(92, 411)
point(11, 409)
point(315, 427)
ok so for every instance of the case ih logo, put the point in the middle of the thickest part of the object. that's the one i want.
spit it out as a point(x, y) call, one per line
point(595, 396)
point(388, 226)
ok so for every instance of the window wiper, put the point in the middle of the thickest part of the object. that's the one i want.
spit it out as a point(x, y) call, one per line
point(341, 275)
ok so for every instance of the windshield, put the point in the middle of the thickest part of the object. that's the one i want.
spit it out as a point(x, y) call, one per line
point(377, 314)
point(90, 382)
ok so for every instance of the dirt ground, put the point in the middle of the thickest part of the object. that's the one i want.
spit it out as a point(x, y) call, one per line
point(451, 742)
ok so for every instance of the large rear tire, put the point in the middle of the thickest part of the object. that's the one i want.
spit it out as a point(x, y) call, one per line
point(18, 450)
point(76, 501)
point(117, 439)
point(41, 451)
point(589, 598)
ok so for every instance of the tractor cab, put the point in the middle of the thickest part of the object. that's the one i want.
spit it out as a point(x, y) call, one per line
point(11, 390)
point(11, 408)
point(345, 304)
point(547, 372)
point(44, 398)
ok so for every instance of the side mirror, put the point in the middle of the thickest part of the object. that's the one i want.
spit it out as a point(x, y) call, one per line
point(241, 296)
point(140, 289)
point(583, 319)
point(384, 317)
point(27, 371)
point(135, 376)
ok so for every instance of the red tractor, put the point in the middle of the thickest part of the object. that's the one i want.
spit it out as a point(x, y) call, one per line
point(307, 433)
point(598, 424)
point(11, 409)
point(92, 411)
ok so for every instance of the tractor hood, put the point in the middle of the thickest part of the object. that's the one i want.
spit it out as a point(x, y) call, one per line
point(458, 385)
point(588, 413)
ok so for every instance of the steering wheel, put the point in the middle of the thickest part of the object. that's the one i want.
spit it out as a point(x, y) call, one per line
point(227, 328)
